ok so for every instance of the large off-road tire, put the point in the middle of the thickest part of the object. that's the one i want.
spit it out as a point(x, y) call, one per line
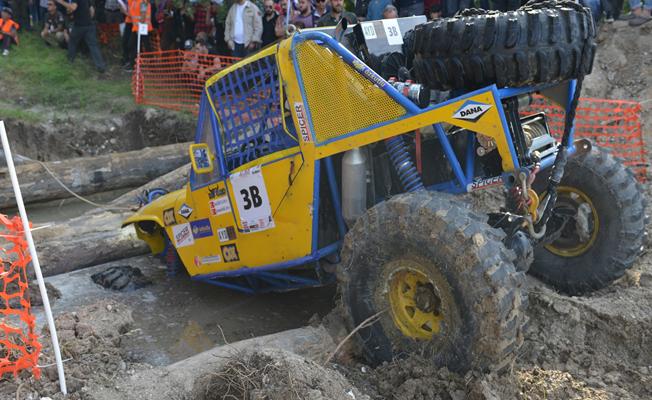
point(539, 43)
point(604, 236)
point(441, 280)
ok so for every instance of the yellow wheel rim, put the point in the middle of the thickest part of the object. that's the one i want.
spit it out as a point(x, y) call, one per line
point(415, 305)
point(568, 247)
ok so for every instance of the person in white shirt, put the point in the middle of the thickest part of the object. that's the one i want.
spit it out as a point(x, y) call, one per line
point(243, 28)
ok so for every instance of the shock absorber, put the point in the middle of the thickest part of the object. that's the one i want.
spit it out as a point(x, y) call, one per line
point(405, 168)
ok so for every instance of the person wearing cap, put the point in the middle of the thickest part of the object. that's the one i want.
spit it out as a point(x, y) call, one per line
point(8, 30)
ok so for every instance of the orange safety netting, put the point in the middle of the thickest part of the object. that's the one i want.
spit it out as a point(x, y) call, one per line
point(174, 79)
point(611, 124)
point(19, 346)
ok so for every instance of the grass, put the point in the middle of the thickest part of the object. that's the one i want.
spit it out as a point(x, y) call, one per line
point(43, 75)
point(22, 115)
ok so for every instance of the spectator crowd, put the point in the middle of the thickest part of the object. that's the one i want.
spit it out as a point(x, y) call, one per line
point(213, 26)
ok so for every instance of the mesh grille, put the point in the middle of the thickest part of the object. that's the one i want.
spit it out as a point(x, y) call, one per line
point(341, 100)
point(247, 101)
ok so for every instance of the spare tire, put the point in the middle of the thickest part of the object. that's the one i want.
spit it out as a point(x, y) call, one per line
point(543, 42)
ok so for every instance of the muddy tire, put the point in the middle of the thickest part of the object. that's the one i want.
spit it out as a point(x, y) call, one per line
point(539, 43)
point(422, 258)
point(605, 235)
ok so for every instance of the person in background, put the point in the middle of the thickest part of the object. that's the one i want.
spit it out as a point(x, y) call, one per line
point(53, 32)
point(361, 8)
point(279, 29)
point(202, 18)
point(112, 13)
point(243, 28)
point(376, 8)
point(42, 9)
point(83, 28)
point(306, 17)
point(320, 8)
point(20, 14)
point(140, 12)
point(390, 12)
point(217, 33)
point(269, 23)
point(337, 12)
point(408, 8)
point(8, 30)
point(640, 12)
point(435, 12)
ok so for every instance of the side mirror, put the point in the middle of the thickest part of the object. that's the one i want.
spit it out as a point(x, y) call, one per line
point(201, 157)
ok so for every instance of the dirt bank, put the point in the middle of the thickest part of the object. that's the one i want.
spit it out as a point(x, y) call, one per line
point(69, 136)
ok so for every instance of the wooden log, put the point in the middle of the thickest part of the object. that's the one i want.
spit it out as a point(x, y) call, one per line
point(96, 237)
point(92, 174)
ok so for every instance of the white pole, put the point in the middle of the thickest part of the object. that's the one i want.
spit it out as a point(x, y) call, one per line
point(35, 263)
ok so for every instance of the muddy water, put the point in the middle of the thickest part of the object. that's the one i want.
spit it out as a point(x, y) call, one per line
point(175, 318)
point(41, 214)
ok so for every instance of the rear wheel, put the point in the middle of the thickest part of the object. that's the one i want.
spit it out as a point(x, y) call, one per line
point(439, 278)
point(604, 211)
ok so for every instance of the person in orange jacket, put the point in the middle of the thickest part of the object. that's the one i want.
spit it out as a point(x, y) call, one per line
point(8, 30)
point(140, 12)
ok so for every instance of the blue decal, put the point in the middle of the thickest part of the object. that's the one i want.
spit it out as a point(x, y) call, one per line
point(201, 228)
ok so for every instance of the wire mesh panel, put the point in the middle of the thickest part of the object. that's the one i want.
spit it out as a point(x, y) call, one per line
point(248, 105)
point(612, 124)
point(174, 79)
point(341, 100)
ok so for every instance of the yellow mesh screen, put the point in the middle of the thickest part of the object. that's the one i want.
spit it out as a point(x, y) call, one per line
point(341, 100)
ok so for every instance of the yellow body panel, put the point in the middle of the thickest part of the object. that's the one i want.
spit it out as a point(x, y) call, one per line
point(213, 238)
point(291, 207)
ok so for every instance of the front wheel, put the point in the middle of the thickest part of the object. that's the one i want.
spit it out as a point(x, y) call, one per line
point(439, 279)
point(603, 209)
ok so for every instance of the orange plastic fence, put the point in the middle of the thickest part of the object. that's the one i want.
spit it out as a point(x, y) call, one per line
point(612, 124)
point(19, 346)
point(174, 79)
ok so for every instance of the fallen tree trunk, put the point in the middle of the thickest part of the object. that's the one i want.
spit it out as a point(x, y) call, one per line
point(96, 237)
point(92, 174)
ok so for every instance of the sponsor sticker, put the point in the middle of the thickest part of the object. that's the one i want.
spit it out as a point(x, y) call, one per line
point(368, 30)
point(392, 31)
point(219, 206)
point(182, 235)
point(215, 191)
point(471, 110)
point(199, 261)
point(222, 235)
point(168, 217)
point(484, 183)
point(230, 253)
point(185, 211)
point(201, 228)
point(303, 122)
point(252, 200)
point(230, 230)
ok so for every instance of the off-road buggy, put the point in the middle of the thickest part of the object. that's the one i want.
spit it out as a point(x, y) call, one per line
point(313, 161)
